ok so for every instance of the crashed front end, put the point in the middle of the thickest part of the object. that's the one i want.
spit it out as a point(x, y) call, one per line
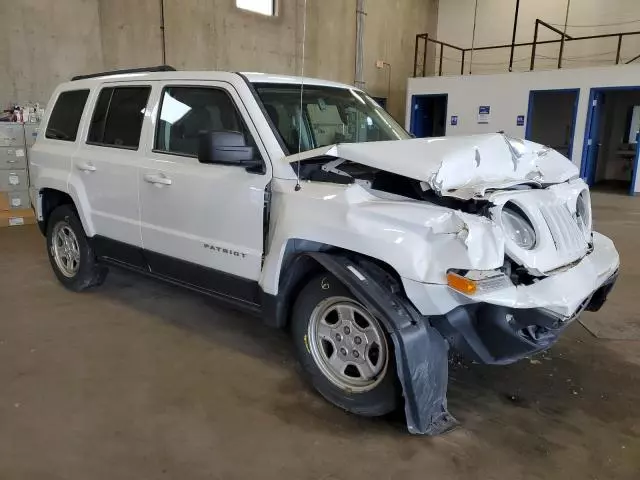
point(492, 238)
point(497, 232)
point(555, 267)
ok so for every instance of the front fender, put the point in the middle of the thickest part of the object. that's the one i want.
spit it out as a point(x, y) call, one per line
point(420, 241)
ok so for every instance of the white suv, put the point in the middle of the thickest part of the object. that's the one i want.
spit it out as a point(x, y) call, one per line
point(305, 201)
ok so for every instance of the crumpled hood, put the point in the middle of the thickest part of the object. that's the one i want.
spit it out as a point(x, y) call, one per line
point(459, 166)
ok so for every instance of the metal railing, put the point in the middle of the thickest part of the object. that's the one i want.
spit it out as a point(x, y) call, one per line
point(423, 40)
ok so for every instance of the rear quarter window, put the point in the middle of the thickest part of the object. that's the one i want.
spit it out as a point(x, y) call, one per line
point(66, 114)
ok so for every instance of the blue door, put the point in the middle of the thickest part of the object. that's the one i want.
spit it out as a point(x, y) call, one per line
point(417, 116)
point(634, 170)
point(593, 138)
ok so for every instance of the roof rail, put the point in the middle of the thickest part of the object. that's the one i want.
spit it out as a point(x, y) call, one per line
point(159, 68)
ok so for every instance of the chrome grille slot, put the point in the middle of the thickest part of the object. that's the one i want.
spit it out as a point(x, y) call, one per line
point(566, 234)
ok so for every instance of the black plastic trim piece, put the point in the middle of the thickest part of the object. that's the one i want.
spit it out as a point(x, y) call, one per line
point(113, 250)
point(497, 335)
point(234, 302)
point(225, 286)
point(421, 352)
point(203, 278)
point(159, 68)
point(276, 308)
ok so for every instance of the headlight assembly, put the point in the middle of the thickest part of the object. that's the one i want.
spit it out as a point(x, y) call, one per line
point(518, 228)
point(583, 212)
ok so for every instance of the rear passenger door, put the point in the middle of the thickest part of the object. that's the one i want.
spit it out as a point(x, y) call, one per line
point(203, 223)
point(105, 168)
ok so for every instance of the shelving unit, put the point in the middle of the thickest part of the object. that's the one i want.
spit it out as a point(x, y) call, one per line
point(15, 141)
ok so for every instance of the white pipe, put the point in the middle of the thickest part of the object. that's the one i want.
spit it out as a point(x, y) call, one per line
point(360, 14)
point(473, 38)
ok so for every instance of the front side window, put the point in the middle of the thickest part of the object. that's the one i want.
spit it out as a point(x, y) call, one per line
point(188, 112)
point(117, 117)
point(329, 115)
point(65, 118)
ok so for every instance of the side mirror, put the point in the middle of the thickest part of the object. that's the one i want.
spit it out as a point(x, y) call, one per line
point(225, 147)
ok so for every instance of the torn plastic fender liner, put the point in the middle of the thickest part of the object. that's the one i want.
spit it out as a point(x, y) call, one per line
point(421, 352)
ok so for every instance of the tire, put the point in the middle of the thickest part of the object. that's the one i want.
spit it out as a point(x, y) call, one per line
point(70, 253)
point(316, 309)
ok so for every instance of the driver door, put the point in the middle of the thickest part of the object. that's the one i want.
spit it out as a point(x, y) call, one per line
point(202, 224)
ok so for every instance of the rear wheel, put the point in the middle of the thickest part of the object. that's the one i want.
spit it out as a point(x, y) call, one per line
point(344, 349)
point(71, 256)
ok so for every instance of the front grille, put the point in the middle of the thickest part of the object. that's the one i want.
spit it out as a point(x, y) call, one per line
point(567, 236)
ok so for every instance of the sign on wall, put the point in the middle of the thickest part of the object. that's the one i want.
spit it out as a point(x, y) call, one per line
point(484, 114)
point(520, 120)
point(454, 120)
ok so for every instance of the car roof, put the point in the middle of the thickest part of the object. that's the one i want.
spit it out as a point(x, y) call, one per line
point(256, 77)
point(201, 75)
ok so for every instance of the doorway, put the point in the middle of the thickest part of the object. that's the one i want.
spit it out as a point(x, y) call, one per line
point(429, 115)
point(551, 119)
point(610, 153)
point(382, 101)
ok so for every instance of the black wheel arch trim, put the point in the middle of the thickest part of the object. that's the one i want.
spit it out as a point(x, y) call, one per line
point(421, 352)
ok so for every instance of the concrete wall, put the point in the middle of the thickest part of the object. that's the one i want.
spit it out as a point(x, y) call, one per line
point(130, 33)
point(44, 42)
point(508, 96)
point(495, 26)
point(390, 30)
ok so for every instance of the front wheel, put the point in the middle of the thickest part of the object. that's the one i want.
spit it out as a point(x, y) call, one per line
point(71, 256)
point(344, 349)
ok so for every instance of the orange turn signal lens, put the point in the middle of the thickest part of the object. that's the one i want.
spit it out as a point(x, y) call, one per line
point(461, 284)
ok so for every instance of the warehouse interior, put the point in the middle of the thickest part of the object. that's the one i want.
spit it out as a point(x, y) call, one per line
point(140, 378)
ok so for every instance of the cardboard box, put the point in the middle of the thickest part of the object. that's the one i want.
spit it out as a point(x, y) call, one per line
point(16, 218)
point(4, 202)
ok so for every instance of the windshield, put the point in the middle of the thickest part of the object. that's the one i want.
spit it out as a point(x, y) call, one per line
point(329, 115)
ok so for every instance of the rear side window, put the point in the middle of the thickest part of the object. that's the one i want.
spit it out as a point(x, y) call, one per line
point(65, 117)
point(117, 117)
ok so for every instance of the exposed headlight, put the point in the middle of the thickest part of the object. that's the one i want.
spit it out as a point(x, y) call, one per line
point(583, 212)
point(518, 228)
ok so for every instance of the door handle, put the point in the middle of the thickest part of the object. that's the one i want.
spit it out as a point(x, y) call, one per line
point(86, 166)
point(158, 179)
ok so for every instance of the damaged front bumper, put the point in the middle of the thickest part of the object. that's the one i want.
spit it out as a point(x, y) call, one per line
point(495, 334)
point(503, 326)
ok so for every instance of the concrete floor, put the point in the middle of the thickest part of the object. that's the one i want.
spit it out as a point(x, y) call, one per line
point(138, 380)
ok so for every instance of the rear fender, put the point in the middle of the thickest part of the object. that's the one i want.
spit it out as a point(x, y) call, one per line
point(81, 201)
